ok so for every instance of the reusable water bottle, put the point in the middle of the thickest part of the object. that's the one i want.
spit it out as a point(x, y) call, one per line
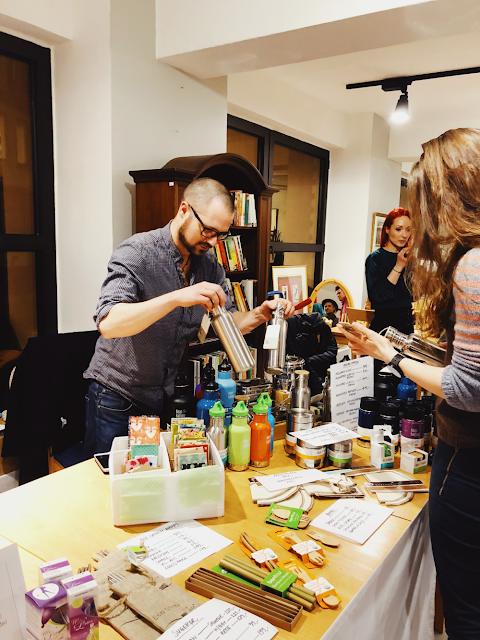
point(217, 430)
point(210, 397)
point(300, 398)
point(416, 347)
point(406, 389)
point(239, 438)
point(261, 436)
point(232, 339)
point(183, 402)
point(268, 401)
point(228, 389)
point(276, 357)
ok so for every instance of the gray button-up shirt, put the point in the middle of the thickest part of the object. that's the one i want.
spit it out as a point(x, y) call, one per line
point(142, 367)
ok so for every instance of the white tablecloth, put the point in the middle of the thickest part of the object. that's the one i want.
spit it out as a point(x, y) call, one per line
point(397, 601)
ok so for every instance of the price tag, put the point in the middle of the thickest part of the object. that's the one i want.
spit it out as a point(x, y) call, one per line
point(204, 327)
point(272, 336)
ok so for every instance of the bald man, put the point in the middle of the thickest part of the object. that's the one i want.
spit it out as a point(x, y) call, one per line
point(158, 288)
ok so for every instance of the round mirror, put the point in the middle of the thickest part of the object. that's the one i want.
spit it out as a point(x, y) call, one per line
point(330, 290)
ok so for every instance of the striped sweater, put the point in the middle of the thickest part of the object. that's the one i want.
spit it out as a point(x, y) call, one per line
point(461, 379)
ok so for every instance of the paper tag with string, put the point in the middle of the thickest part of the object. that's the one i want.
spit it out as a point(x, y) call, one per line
point(272, 336)
point(204, 327)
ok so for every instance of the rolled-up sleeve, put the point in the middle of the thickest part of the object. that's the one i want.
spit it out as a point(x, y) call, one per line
point(124, 280)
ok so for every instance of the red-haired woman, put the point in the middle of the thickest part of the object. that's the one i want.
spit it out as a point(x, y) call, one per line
point(385, 273)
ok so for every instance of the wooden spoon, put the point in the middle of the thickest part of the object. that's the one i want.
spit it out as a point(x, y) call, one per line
point(331, 600)
point(324, 538)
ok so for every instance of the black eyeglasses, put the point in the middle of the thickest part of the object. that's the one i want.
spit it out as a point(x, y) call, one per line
point(208, 232)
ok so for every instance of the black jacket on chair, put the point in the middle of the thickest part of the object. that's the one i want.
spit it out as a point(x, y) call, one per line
point(310, 338)
point(46, 404)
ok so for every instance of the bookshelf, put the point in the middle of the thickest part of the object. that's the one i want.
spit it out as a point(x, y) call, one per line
point(159, 193)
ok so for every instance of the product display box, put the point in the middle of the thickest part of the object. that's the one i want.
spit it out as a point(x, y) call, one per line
point(161, 495)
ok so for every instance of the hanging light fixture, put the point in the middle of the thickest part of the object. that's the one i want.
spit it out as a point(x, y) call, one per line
point(400, 84)
point(401, 110)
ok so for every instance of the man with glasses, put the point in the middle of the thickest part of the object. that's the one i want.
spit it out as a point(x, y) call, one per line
point(158, 288)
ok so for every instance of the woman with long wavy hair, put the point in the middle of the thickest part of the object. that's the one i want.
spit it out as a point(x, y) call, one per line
point(444, 200)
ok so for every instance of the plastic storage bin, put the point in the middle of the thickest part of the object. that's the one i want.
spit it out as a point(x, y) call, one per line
point(162, 495)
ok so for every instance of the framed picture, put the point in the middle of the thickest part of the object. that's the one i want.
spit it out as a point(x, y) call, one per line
point(377, 224)
point(292, 282)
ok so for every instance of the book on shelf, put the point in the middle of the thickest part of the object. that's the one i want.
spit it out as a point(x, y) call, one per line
point(245, 211)
point(250, 292)
point(215, 358)
point(230, 254)
point(239, 297)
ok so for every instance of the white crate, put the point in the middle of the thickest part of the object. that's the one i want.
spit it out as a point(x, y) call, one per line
point(166, 507)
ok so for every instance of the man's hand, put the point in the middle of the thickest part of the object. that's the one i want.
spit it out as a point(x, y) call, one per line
point(207, 294)
point(267, 308)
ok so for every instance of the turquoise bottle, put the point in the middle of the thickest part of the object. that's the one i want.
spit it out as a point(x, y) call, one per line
point(268, 401)
point(228, 389)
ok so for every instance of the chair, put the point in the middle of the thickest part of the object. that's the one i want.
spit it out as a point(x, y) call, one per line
point(360, 315)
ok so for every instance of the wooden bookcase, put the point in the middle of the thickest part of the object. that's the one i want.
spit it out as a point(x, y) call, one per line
point(159, 193)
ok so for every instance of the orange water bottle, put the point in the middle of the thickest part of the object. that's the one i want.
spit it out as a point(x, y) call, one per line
point(261, 436)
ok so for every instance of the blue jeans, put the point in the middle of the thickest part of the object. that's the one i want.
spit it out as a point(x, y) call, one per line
point(107, 414)
point(455, 531)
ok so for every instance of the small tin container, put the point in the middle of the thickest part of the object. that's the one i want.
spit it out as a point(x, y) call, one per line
point(297, 420)
point(340, 454)
point(309, 456)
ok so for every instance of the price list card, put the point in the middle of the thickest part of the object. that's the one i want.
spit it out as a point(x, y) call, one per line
point(175, 546)
point(216, 619)
point(350, 381)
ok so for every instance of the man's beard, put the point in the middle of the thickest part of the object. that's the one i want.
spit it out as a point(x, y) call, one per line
point(198, 249)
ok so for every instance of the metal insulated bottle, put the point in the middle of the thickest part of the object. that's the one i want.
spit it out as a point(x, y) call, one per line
point(416, 347)
point(232, 339)
point(300, 398)
point(276, 357)
point(327, 406)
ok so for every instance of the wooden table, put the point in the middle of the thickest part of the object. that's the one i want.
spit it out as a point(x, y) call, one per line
point(68, 514)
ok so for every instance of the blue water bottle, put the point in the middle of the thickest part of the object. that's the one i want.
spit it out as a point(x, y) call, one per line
point(268, 401)
point(210, 397)
point(407, 389)
point(228, 389)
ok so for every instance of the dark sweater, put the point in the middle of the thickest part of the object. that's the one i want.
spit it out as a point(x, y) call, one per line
point(310, 338)
point(381, 292)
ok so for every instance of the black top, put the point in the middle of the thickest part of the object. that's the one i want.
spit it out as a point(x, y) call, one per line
point(381, 292)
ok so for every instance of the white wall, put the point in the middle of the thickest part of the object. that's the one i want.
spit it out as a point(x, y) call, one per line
point(158, 113)
point(47, 20)
point(362, 180)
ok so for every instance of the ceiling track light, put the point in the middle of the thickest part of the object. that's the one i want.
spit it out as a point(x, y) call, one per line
point(400, 84)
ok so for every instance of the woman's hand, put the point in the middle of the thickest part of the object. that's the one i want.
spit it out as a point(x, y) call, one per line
point(369, 344)
point(402, 259)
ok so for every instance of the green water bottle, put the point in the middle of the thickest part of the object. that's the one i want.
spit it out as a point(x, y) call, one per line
point(239, 436)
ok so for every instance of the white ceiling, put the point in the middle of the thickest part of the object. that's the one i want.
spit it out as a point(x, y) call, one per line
point(325, 79)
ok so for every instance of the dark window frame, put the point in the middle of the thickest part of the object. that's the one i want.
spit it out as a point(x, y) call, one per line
point(267, 138)
point(42, 241)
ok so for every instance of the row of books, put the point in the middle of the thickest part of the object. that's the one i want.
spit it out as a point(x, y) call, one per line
point(196, 364)
point(229, 254)
point(243, 293)
point(245, 211)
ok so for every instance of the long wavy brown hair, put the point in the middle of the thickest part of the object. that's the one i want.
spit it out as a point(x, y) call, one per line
point(444, 201)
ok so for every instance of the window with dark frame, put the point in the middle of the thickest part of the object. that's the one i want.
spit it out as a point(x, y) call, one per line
point(299, 171)
point(28, 288)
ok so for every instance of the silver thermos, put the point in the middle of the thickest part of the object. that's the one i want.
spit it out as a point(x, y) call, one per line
point(416, 347)
point(276, 357)
point(232, 339)
point(218, 431)
point(300, 398)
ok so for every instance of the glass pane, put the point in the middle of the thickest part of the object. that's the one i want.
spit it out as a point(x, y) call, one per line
point(243, 145)
point(18, 316)
point(297, 176)
point(16, 177)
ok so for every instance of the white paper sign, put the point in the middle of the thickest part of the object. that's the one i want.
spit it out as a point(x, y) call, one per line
point(352, 519)
point(325, 434)
point(216, 619)
point(175, 546)
point(289, 478)
point(12, 595)
point(350, 381)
